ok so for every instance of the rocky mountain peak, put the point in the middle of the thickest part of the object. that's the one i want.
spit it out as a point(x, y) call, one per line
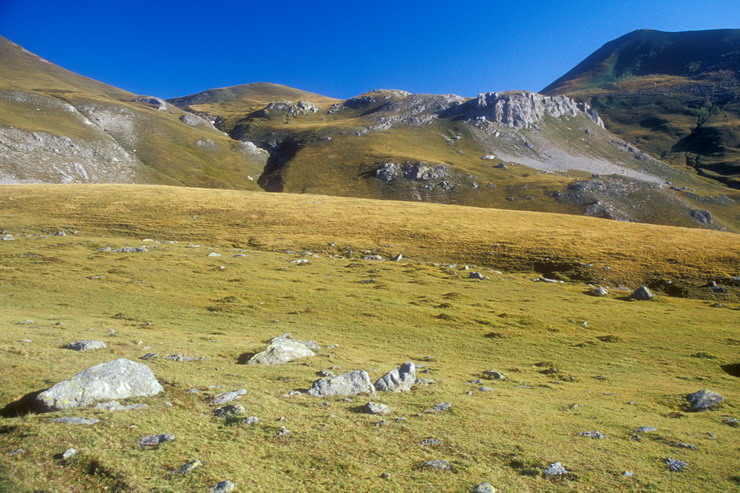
point(524, 109)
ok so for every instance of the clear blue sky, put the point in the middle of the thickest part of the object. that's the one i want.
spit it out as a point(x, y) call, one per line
point(338, 48)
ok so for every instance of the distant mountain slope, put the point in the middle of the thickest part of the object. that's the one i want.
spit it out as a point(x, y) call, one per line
point(513, 150)
point(58, 126)
point(675, 95)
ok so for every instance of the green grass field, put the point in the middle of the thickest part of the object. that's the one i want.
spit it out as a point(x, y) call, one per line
point(624, 363)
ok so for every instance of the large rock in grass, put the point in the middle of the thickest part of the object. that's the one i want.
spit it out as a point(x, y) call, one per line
point(281, 351)
point(703, 399)
point(352, 383)
point(399, 380)
point(118, 379)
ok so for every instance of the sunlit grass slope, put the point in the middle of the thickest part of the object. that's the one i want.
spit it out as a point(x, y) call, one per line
point(618, 364)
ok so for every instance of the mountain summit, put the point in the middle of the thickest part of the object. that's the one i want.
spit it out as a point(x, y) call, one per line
point(674, 95)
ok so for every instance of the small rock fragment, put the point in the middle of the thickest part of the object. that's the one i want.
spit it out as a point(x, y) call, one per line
point(703, 399)
point(250, 420)
point(646, 429)
point(223, 487)
point(188, 467)
point(69, 453)
point(117, 406)
point(484, 488)
point(375, 408)
point(600, 291)
point(284, 432)
point(229, 410)
point(85, 345)
point(675, 465)
point(228, 397)
point(642, 293)
point(555, 469)
point(439, 464)
point(430, 441)
point(439, 408)
point(592, 434)
point(399, 380)
point(154, 441)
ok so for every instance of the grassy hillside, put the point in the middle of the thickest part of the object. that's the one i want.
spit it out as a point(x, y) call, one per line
point(674, 95)
point(52, 118)
point(618, 364)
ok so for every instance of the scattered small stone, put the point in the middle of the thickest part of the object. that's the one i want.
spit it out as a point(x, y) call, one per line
point(326, 373)
point(300, 261)
point(223, 487)
point(372, 257)
point(69, 453)
point(250, 420)
point(26, 340)
point(439, 408)
point(188, 467)
point(380, 423)
point(292, 393)
point(352, 383)
point(182, 357)
point(25, 322)
point(600, 291)
point(484, 488)
point(284, 432)
point(376, 408)
point(229, 410)
point(397, 258)
point(555, 469)
point(477, 275)
point(675, 465)
point(494, 375)
point(592, 434)
point(228, 397)
point(642, 293)
point(440, 464)
point(130, 250)
point(85, 345)
point(154, 441)
point(430, 441)
point(17, 451)
point(628, 474)
point(646, 429)
point(399, 380)
point(214, 254)
point(683, 445)
point(734, 422)
point(148, 356)
point(546, 279)
point(385, 475)
point(75, 420)
point(485, 389)
point(425, 381)
point(703, 399)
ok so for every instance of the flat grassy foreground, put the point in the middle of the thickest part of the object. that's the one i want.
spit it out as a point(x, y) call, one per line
point(619, 364)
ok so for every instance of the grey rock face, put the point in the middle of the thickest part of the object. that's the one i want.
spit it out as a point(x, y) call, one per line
point(195, 121)
point(223, 487)
point(703, 399)
point(281, 351)
point(70, 420)
point(524, 109)
point(555, 469)
point(642, 293)
point(704, 217)
point(675, 465)
point(399, 380)
point(118, 379)
point(352, 383)
point(153, 441)
point(158, 103)
point(600, 291)
point(376, 408)
point(85, 345)
point(228, 397)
